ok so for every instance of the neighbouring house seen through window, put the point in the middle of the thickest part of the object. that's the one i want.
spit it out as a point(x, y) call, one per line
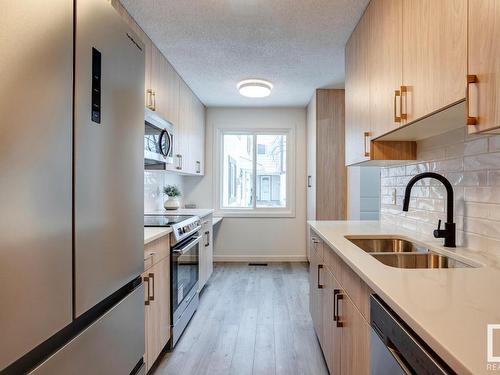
point(254, 171)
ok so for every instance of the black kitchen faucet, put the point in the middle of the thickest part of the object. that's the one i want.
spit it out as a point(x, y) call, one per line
point(449, 231)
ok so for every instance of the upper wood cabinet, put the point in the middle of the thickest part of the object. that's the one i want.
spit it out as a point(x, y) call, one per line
point(484, 65)
point(386, 65)
point(357, 94)
point(412, 53)
point(167, 94)
point(434, 55)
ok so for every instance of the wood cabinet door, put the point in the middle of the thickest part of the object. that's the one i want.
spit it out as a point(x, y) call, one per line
point(314, 295)
point(357, 94)
point(484, 62)
point(158, 310)
point(355, 343)
point(168, 99)
point(209, 248)
point(386, 64)
point(199, 136)
point(331, 333)
point(434, 55)
point(184, 128)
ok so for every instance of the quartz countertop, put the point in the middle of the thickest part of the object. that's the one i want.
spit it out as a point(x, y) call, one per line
point(153, 233)
point(216, 220)
point(201, 212)
point(448, 308)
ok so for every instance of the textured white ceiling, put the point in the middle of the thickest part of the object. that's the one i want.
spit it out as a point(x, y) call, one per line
point(296, 44)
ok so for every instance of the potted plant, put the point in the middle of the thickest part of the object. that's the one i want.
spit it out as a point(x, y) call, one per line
point(173, 194)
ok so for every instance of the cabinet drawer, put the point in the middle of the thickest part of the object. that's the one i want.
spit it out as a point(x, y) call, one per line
point(357, 289)
point(156, 251)
point(316, 247)
point(333, 262)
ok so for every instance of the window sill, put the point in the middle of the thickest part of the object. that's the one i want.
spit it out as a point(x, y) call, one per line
point(255, 213)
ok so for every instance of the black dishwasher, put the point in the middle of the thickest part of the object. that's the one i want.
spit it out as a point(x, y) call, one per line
point(395, 349)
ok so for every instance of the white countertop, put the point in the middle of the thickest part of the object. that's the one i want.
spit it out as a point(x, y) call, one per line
point(448, 308)
point(153, 233)
point(216, 220)
point(201, 212)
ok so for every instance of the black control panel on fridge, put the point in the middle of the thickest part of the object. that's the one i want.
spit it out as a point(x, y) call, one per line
point(96, 86)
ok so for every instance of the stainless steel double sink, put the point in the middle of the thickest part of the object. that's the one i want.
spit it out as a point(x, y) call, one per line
point(402, 253)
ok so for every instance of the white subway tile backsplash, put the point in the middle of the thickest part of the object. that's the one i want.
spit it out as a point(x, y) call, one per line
point(477, 146)
point(482, 162)
point(494, 143)
point(472, 165)
point(494, 178)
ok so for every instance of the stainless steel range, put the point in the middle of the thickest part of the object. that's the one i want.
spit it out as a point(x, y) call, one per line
point(184, 262)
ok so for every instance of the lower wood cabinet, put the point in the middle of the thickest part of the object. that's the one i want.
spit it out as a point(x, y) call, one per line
point(342, 329)
point(355, 348)
point(157, 301)
point(206, 267)
point(332, 335)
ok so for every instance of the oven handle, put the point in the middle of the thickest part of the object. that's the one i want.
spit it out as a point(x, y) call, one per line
point(186, 248)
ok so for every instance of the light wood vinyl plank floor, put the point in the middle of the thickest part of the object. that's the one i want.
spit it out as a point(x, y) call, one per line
point(251, 320)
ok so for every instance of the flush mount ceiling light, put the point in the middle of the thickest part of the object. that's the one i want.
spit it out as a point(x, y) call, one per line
point(255, 88)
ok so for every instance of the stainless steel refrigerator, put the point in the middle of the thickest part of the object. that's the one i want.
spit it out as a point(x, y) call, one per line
point(71, 189)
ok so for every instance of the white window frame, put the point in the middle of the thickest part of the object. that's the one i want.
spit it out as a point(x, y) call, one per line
point(289, 209)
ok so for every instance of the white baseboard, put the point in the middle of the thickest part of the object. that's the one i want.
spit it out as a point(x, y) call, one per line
point(259, 258)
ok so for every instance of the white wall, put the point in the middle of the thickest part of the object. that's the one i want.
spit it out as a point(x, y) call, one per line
point(363, 193)
point(255, 238)
point(369, 194)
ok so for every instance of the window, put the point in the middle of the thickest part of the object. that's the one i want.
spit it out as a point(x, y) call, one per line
point(253, 173)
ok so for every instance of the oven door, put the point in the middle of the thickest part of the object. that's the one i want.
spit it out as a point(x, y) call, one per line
point(185, 261)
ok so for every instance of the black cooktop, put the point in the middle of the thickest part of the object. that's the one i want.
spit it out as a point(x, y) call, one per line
point(163, 220)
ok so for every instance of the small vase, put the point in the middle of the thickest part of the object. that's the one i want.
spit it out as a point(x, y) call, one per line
point(172, 203)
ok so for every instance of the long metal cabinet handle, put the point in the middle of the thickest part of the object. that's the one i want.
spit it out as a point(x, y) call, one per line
point(471, 78)
point(179, 161)
point(336, 300)
point(396, 117)
point(320, 286)
point(152, 278)
point(146, 280)
point(366, 136)
point(404, 92)
point(151, 101)
point(335, 315)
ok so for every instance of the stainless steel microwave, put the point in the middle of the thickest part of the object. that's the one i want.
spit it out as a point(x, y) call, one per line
point(158, 141)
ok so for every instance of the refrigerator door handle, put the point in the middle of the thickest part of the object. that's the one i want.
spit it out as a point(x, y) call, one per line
point(152, 282)
point(146, 280)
